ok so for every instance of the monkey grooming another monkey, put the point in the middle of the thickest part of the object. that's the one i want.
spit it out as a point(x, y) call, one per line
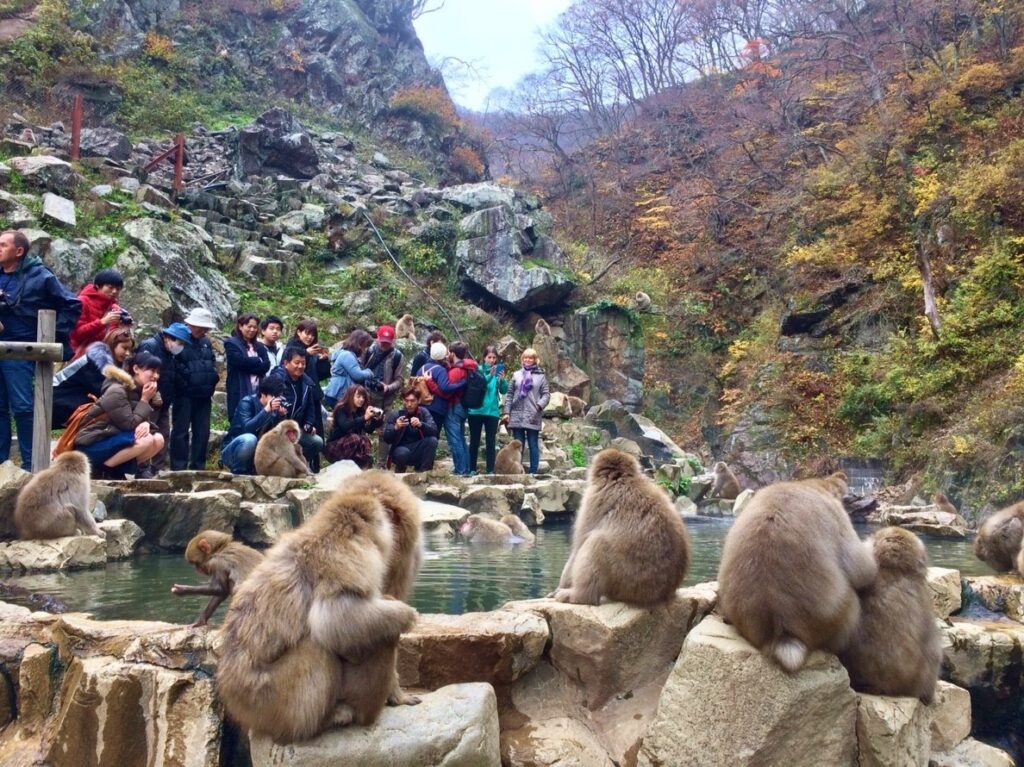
point(310, 639)
point(226, 561)
point(55, 502)
point(999, 538)
point(790, 572)
point(278, 453)
point(896, 649)
point(509, 459)
point(518, 528)
point(628, 542)
point(726, 486)
point(405, 328)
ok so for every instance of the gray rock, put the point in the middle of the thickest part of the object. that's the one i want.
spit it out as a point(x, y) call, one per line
point(149, 195)
point(612, 351)
point(275, 143)
point(122, 536)
point(59, 209)
point(381, 160)
point(46, 172)
point(170, 520)
point(69, 553)
point(127, 184)
point(105, 142)
point(150, 304)
point(359, 302)
point(477, 196)
point(261, 524)
point(619, 422)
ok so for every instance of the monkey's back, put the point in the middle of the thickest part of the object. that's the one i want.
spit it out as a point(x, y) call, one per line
point(780, 572)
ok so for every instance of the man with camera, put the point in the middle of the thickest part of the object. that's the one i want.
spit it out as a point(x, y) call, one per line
point(100, 312)
point(26, 287)
point(299, 399)
point(254, 415)
point(385, 361)
point(412, 434)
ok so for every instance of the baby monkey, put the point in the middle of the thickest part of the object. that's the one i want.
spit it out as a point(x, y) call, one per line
point(227, 562)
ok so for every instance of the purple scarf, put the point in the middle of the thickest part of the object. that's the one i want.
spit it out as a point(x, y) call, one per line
point(525, 383)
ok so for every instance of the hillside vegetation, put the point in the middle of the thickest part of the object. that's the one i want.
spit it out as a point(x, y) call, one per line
point(786, 216)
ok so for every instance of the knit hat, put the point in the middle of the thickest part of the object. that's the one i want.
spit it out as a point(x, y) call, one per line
point(200, 318)
point(386, 333)
point(178, 330)
point(438, 351)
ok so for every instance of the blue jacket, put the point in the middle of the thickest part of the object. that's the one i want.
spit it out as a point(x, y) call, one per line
point(250, 418)
point(240, 367)
point(27, 290)
point(438, 406)
point(345, 371)
point(303, 402)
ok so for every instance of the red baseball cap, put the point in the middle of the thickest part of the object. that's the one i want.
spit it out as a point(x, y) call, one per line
point(386, 333)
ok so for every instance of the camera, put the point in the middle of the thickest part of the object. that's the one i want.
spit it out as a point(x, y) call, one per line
point(5, 299)
point(126, 318)
point(286, 404)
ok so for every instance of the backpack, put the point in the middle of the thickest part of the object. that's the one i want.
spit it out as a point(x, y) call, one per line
point(419, 383)
point(475, 390)
point(76, 422)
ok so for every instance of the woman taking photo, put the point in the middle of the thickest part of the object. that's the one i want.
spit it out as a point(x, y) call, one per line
point(345, 369)
point(485, 418)
point(354, 418)
point(120, 428)
point(524, 405)
point(83, 376)
point(247, 360)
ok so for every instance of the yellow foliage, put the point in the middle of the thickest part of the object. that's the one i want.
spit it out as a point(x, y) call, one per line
point(466, 162)
point(429, 104)
point(158, 46)
point(926, 190)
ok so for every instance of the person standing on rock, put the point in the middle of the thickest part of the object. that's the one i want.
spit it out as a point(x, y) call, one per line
point(26, 287)
point(527, 397)
point(318, 368)
point(168, 345)
point(446, 383)
point(386, 362)
point(247, 361)
point(270, 332)
point(195, 380)
point(485, 418)
point(100, 311)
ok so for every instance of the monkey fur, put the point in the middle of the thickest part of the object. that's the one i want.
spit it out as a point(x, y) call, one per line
point(629, 543)
point(405, 328)
point(943, 504)
point(726, 486)
point(642, 301)
point(999, 538)
point(478, 529)
point(278, 453)
point(55, 502)
point(226, 561)
point(896, 649)
point(518, 528)
point(791, 568)
point(835, 484)
point(310, 639)
point(509, 459)
point(542, 328)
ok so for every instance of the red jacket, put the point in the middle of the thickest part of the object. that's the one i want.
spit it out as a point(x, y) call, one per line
point(457, 373)
point(90, 326)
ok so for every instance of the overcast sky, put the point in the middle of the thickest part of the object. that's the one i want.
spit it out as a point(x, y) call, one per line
point(498, 37)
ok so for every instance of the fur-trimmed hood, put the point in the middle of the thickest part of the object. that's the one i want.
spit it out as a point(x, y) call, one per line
point(120, 376)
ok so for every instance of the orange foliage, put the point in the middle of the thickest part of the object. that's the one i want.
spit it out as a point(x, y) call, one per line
point(158, 46)
point(429, 104)
point(465, 161)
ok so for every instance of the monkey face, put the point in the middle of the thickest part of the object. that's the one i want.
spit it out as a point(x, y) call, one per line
point(292, 435)
point(468, 526)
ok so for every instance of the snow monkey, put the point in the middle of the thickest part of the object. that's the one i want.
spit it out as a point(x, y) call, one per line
point(509, 459)
point(55, 502)
point(311, 639)
point(542, 328)
point(227, 562)
point(942, 502)
point(999, 538)
point(518, 527)
point(405, 328)
point(478, 529)
point(791, 569)
point(628, 542)
point(896, 649)
point(726, 486)
point(643, 301)
point(278, 453)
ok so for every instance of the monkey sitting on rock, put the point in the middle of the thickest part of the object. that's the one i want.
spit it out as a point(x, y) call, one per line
point(278, 453)
point(509, 459)
point(226, 561)
point(726, 486)
point(55, 502)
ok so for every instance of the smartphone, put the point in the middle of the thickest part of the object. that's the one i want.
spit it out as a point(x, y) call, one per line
point(499, 368)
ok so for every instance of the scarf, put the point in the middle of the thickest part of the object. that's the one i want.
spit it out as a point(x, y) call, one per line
point(525, 383)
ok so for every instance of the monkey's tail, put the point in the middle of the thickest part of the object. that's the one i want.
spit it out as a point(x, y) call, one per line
point(789, 652)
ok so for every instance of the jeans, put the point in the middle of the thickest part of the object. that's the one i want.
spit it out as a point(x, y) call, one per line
point(489, 425)
point(419, 455)
point(238, 454)
point(454, 432)
point(530, 438)
point(16, 377)
point(194, 413)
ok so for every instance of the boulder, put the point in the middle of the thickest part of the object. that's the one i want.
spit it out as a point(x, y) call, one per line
point(613, 416)
point(262, 489)
point(37, 686)
point(944, 584)
point(724, 703)
point(172, 519)
point(336, 475)
point(685, 506)
point(741, 501)
point(558, 406)
point(478, 196)
point(562, 373)
point(46, 172)
point(435, 514)
point(892, 732)
point(951, 716)
point(456, 726)
point(181, 261)
point(972, 753)
point(275, 144)
point(60, 210)
point(150, 304)
point(105, 142)
point(984, 657)
point(112, 711)
point(611, 344)
point(532, 512)
point(492, 271)
point(122, 536)
point(261, 524)
point(307, 502)
point(161, 644)
point(496, 647)
point(613, 648)
point(493, 500)
point(558, 496)
point(73, 552)
point(449, 494)
point(627, 446)
point(999, 593)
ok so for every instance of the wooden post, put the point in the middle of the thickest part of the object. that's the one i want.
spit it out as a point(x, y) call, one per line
point(43, 399)
point(179, 161)
point(76, 126)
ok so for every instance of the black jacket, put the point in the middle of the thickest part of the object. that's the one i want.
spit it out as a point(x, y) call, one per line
point(196, 370)
point(303, 406)
point(345, 424)
point(168, 366)
point(240, 367)
point(317, 369)
point(408, 436)
point(250, 418)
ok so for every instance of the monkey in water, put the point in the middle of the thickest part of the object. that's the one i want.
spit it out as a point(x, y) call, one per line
point(478, 529)
point(310, 638)
point(791, 569)
point(509, 459)
point(518, 528)
point(726, 486)
point(405, 328)
point(999, 538)
point(227, 562)
point(628, 542)
point(55, 502)
point(896, 649)
point(278, 453)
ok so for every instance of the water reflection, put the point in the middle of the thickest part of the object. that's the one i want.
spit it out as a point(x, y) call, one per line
point(456, 577)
